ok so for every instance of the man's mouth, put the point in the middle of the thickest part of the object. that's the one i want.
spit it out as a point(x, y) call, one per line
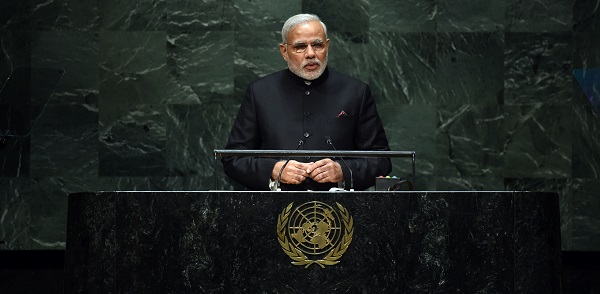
point(311, 66)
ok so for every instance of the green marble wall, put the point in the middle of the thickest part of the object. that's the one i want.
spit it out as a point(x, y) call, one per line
point(481, 90)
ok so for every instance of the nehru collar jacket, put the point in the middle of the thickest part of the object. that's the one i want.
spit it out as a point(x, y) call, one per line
point(281, 109)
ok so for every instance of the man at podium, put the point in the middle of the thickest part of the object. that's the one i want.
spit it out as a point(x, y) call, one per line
point(307, 106)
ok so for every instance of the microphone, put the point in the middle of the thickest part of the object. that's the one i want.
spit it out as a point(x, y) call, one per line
point(277, 183)
point(351, 177)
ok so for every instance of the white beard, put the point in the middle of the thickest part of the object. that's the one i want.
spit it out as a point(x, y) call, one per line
point(305, 74)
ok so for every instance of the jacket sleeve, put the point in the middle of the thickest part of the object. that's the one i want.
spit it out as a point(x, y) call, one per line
point(252, 172)
point(369, 135)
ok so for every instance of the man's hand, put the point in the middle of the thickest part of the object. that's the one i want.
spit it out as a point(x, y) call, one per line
point(325, 171)
point(294, 173)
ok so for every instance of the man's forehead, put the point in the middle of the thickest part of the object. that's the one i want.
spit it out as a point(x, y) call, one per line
point(308, 31)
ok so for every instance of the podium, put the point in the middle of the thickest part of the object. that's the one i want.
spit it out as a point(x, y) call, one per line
point(231, 242)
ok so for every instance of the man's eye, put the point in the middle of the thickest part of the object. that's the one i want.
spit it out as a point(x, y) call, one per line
point(318, 46)
point(300, 47)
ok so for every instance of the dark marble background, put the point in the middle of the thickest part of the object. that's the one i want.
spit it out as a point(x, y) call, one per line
point(481, 90)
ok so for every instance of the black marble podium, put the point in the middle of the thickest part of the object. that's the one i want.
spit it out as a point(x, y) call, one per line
point(227, 242)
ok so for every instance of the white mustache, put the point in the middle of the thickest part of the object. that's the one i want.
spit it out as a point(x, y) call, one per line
point(310, 62)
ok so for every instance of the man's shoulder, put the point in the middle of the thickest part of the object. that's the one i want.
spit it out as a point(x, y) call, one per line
point(339, 77)
point(268, 79)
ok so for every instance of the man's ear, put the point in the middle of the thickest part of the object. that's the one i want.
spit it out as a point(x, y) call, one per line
point(283, 50)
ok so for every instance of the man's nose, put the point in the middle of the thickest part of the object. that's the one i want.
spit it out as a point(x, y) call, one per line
point(310, 52)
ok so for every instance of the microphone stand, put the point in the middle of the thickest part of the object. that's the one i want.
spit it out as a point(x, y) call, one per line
point(348, 167)
point(278, 182)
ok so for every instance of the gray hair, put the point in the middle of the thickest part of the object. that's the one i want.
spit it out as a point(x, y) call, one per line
point(296, 20)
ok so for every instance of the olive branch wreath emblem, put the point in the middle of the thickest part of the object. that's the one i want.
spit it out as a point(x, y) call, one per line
point(298, 257)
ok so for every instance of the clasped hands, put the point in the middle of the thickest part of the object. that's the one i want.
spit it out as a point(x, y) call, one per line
point(322, 171)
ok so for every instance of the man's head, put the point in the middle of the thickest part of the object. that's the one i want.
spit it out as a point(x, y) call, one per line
point(304, 45)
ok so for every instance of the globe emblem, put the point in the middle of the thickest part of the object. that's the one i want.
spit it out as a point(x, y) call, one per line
point(315, 228)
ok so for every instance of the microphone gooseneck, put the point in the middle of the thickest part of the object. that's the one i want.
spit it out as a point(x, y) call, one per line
point(351, 177)
point(278, 182)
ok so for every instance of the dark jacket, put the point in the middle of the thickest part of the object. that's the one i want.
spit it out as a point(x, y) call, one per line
point(280, 109)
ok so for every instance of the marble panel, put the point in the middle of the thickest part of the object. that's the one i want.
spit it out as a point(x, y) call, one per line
point(586, 143)
point(348, 56)
point(403, 16)
point(426, 182)
point(470, 141)
point(410, 128)
point(586, 16)
point(133, 68)
point(133, 183)
point(564, 187)
point(586, 221)
point(256, 55)
point(538, 142)
point(193, 132)
point(539, 15)
point(341, 16)
point(16, 51)
point(168, 183)
point(16, 214)
point(132, 140)
point(469, 16)
point(264, 15)
point(131, 89)
point(14, 157)
point(467, 183)
point(469, 68)
point(537, 69)
point(47, 202)
point(132, 52)
point(200, 66)
point(174, 16)
point(77, 54)
point(587, 50)
point(64, 15)
point(35, 210)
point(402, 68)
point(14, 14)
point(65, 142)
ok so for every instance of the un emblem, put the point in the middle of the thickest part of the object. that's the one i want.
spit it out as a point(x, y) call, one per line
point(317, 230)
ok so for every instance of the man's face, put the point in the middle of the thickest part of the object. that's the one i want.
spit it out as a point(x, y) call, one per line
point(309, 37)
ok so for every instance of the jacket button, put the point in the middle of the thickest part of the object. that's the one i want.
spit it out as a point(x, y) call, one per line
point(306, 135)
point(307, 113)
point(307, 93)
